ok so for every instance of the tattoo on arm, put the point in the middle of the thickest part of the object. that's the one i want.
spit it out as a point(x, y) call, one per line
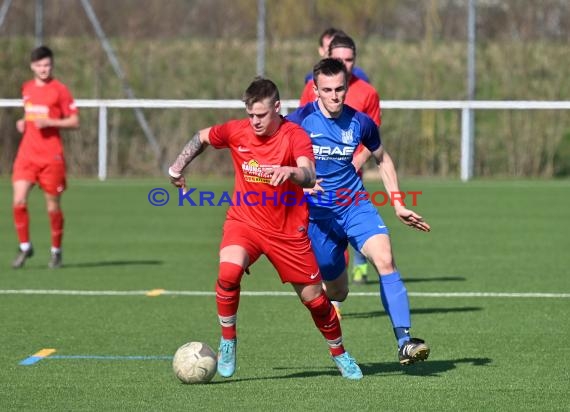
point(307, 180)
point(192, 149)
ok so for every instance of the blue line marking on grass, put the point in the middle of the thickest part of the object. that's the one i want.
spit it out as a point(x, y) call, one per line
point(111, 357)
point(38, 356)
point(31, 360)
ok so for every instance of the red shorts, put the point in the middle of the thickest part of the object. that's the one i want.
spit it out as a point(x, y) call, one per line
point(50, 176)
point(292, 257)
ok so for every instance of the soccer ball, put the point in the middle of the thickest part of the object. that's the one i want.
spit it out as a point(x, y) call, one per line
point(195, 362)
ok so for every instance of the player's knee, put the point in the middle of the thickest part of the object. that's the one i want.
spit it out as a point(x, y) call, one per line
point(343, 294)
point(336, 290)
point(318, 306)
point(53, 208)
point(339, 295)
point(19, 203)
point(226, 286)
point(384, 263)
point(230, 274)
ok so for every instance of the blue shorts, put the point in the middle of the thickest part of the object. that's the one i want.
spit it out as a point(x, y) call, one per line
point(330, 237)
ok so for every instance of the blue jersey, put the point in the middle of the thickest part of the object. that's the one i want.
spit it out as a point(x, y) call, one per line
point(334, 143)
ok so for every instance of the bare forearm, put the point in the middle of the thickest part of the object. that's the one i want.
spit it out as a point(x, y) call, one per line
point(71, 122)
point(192, 149)
point(303, 176)
point(388, 174)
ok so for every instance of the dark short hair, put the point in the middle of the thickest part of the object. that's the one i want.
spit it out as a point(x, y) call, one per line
point(40, 53)
point(344, 41)
point(329, 67)
point(260, 89)
point(330, 32)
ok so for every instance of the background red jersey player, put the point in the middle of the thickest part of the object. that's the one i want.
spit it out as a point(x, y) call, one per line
point(362, 97)
point(48, 107)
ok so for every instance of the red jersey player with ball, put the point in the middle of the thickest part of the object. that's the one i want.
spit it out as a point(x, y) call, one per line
point(273, 161)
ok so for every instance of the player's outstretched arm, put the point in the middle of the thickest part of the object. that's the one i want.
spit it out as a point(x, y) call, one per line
point(304, 174)
point(193, 148)
point(70, 122)
point(390, 179)
point(412, 219)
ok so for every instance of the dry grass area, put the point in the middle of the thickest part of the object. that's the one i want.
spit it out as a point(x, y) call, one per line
point(508, 143)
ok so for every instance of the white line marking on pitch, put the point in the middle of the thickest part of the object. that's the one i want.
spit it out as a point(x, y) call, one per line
point(270, 293)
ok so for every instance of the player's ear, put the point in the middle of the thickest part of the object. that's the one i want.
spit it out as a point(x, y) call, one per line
point(277, 106)
point(315, 90)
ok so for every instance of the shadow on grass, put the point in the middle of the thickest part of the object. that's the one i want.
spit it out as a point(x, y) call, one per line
point(421, 311)
point(429, 368)
point(373, 280)
point(112, 263)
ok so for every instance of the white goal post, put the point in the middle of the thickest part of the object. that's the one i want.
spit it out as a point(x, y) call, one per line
point(466, 107)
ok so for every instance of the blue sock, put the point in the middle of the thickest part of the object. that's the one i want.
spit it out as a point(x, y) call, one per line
point(395, 300)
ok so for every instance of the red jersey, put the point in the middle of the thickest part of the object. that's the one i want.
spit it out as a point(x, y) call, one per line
point(281, 209)
point(360, 96)
point(52, 100)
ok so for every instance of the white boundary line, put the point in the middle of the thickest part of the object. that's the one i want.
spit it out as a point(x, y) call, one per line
point(270, 293)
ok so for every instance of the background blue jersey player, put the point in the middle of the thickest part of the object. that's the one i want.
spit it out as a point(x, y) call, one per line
point(339, 210)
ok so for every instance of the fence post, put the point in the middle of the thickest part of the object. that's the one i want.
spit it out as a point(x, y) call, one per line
point(467, 140)
point(102, 143)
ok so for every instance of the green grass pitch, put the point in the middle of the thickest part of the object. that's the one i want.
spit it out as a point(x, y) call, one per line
point(488, 352)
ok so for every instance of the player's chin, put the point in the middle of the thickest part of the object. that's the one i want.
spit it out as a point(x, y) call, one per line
point(335, 106)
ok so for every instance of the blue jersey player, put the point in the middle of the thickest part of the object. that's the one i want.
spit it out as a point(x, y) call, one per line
point(341, 213)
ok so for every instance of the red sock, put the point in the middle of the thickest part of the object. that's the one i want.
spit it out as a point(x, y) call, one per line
point(227, 297)
point(56, 223)
point(22, 223)
point(327, 322)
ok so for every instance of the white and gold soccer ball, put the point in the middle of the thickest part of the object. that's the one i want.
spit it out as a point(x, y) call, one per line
point(195, 362)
